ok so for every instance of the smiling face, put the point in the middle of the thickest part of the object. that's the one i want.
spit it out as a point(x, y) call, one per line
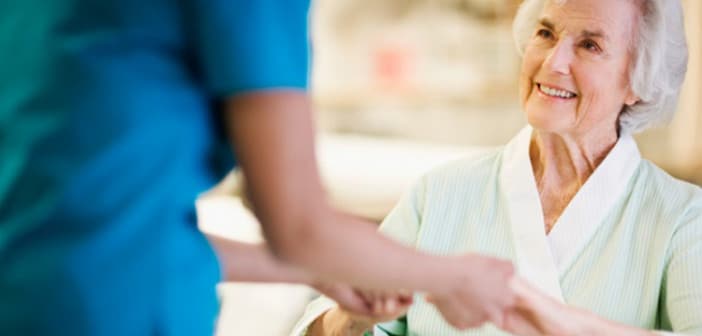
point(574, 77)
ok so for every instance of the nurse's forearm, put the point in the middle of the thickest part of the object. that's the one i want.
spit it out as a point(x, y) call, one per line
point(244, 262)
point(273, 137)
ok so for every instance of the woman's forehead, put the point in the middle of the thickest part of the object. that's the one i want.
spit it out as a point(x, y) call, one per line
point(613, 19)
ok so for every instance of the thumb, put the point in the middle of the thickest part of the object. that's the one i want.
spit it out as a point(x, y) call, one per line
point(353, 303)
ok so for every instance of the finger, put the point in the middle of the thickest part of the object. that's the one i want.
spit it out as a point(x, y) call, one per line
point(506, 268)
point(530, 298)
point(516, 324)
point(404, 293)
point(430, 299)
point(404, 297)
point(532, 318)
point(370, 297)
point(381, 300)
point(406, 300)
point(363, 295)
point(353, 304)
point(391, 306)
point(496, 316)
point(349, 299)
point(371, 294)
point(378, 306)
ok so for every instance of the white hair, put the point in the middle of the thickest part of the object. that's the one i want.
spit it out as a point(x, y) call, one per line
point(659, 64)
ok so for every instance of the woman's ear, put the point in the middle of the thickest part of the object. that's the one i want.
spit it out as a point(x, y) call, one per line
point(631, 98)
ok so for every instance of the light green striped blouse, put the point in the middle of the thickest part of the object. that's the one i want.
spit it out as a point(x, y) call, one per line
point(628, 247)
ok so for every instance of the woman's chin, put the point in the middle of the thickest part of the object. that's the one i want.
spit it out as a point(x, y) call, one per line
point(547, 123)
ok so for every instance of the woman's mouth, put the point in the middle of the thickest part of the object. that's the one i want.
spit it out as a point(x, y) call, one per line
point(554, 92)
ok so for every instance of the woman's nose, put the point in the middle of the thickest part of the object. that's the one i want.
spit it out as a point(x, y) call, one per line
point(559, 58)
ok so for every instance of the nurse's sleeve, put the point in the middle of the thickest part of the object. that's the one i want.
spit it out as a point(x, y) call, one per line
point(244, 45)
point(681, 309)
point(402, 225)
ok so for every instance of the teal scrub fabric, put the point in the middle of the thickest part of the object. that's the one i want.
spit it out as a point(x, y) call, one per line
point(108, 131)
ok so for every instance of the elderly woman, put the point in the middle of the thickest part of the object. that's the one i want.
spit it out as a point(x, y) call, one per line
point(611, 243)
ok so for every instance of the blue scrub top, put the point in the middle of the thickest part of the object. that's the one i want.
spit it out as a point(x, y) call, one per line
point(109, 129)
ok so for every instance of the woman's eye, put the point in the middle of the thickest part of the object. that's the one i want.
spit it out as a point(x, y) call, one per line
point(591, 46)
point(544, 33)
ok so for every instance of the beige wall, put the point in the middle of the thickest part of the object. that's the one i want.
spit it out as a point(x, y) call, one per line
point(686, 130)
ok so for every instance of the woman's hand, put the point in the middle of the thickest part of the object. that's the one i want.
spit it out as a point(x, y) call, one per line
point(538, 314)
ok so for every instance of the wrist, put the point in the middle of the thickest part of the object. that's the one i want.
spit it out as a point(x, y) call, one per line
point(595, 325)
point(591, 325)
point(442, 281)
point(447, 277)
point(298, 276)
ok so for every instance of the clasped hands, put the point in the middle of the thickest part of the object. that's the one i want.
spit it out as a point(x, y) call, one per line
point(473, 290)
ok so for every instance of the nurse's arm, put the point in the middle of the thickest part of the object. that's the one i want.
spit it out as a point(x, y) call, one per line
point(272, 134)
point(243, 262)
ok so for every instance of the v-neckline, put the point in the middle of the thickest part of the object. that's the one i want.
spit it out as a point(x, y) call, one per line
point(542, 258)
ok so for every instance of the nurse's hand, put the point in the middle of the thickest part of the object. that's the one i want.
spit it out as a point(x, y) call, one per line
point(473, 290)
point(370, 304)
point(347, 297)
point(339, 321)
point(538, 314)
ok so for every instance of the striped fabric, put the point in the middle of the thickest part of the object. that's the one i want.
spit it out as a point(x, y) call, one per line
point(628, 247)
point(392, 328)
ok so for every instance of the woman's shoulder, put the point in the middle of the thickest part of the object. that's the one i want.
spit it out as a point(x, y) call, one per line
point(476, 167)
point(677, 197)
point(662, 181)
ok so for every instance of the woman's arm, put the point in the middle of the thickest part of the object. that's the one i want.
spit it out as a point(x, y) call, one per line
point(682, 289)
point(539, 314)
point(681, 307)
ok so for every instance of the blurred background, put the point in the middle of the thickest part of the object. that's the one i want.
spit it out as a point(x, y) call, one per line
point(446, 72)
point(399, 87)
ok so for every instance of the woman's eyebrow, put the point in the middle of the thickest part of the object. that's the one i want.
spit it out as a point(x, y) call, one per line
point(598, 33)
point(594, 34)
point(548, 24)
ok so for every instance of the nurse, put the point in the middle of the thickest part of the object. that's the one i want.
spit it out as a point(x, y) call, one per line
point(605, 242)
point(114, 115)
